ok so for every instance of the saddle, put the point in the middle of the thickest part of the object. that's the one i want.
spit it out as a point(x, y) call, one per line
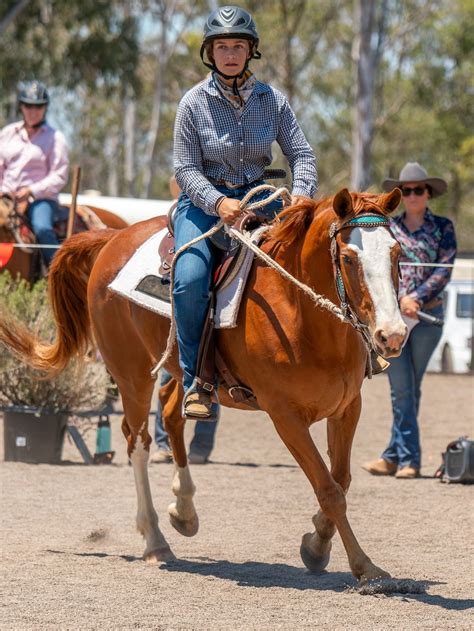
point(227, 266)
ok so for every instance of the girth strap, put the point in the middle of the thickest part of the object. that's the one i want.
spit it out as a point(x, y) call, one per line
point(237, 392)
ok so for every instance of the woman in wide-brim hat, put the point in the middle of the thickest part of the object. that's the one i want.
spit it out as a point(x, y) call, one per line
point(429, 240)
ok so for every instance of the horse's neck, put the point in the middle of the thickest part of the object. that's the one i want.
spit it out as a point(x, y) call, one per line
point(308, 258)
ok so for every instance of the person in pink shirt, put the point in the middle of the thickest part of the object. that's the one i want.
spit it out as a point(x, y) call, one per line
point(34, 165)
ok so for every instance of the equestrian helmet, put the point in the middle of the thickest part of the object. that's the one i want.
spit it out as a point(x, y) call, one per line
point(32, 93)
point(230, 22)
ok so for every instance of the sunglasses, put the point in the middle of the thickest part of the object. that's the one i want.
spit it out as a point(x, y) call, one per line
point(418, 190)
point(30, 106)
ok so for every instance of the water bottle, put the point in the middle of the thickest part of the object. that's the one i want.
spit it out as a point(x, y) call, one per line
point(103, 436)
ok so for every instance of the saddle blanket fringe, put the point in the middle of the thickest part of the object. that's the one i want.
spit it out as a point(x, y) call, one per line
point(140, 282)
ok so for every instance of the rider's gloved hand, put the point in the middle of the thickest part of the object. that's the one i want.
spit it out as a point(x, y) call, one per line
point(228, 209)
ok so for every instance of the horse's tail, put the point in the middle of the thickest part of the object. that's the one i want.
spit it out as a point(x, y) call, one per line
point(67, 280)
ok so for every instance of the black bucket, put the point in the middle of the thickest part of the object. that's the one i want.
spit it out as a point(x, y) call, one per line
point(34, 436)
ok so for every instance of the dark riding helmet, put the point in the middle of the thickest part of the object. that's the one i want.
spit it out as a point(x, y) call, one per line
point(32, 93)
point(230, 22)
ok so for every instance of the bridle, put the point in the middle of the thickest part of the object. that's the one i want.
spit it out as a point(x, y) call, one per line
point(366, 220)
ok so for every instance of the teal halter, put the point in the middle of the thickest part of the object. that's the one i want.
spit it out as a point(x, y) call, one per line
point(361, 221)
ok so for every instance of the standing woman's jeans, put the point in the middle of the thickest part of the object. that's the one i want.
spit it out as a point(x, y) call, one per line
point(405, 374)
point(42, 214)
point(193, 273)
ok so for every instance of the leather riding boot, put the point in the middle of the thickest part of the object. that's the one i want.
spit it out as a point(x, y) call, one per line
point(407, 473)
point(380, 467)
point(198, 404)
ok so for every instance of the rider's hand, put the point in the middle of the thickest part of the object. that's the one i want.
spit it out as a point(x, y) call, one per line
point(228, 210)
point(409, 307)
point(23, 194)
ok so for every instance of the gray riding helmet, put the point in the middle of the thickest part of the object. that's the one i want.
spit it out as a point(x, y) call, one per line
point(230, 22)
point(32, 93)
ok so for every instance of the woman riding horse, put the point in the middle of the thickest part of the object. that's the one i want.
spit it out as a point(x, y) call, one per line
point(224, 130)
point(34, 165)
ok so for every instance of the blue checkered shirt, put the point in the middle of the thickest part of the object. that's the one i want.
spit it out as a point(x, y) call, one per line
point(212, 140)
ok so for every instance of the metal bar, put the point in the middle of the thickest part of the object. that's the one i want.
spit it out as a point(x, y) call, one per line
point(80, 444)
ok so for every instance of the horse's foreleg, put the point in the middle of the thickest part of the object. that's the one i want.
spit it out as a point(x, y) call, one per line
point(330, 495)
point(316, 546)
point(135, 428)
point(183, 516)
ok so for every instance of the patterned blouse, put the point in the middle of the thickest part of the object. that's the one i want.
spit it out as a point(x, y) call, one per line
point(433, 242)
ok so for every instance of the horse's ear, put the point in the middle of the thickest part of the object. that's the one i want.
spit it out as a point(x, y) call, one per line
point(392, 200)
point(342, 203)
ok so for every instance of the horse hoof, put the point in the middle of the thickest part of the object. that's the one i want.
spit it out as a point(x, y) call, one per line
point(373, 573)
point(315, 564)
point(159, 555)
point(188, 527)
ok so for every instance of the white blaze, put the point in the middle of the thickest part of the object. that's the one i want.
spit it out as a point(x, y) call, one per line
point(373, 247)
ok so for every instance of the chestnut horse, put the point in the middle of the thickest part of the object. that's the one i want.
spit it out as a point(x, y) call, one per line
point(302, 363)
point(26, 262)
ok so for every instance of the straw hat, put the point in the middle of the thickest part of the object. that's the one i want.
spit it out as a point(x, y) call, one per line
point(414, 172)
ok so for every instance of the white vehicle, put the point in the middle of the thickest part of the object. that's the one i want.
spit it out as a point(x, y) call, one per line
point(454, 351)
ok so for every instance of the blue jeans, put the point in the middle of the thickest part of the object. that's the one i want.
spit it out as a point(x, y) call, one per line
point(193, 274)
point(405, 374)
point(42, 214)
point(204, 432)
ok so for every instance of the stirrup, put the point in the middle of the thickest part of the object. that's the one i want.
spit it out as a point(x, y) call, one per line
point(200, 405)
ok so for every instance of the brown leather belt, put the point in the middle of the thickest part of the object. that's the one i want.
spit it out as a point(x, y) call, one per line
point(433, 303)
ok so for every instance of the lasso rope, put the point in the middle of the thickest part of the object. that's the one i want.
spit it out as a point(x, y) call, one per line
point(318, 299)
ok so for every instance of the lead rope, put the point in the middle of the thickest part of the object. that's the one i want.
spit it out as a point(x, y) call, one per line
point(318, 299)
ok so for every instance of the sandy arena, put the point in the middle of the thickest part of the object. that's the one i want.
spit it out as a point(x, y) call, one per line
point(71, 558)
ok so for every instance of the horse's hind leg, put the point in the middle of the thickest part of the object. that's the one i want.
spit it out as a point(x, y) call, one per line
point(331, 498)
point(136, 405)
point(183, 516)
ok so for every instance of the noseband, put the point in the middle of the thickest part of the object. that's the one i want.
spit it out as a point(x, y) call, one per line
point(372, 220)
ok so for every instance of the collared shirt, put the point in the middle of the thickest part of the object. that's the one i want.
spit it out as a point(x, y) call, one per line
point(211, 141)
point(39, 162)
point(433, 242)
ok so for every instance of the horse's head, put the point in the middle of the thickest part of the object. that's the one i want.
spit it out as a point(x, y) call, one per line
point(366, 256)
point(7, 208)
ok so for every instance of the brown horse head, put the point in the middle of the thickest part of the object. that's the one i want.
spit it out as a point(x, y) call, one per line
point(367, 256)
point(7, 205)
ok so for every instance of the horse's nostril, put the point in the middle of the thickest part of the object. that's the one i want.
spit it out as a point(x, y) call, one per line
point(380, 337)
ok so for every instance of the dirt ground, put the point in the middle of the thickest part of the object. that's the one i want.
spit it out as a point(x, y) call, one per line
point(71, 555)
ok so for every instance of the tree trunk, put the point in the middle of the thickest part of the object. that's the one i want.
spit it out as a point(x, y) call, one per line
point(150, 148)
point(366, 54)
point(111, 151)
point(130, 111)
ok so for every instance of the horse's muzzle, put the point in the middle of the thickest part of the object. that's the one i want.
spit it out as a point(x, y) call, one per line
point(389, 340)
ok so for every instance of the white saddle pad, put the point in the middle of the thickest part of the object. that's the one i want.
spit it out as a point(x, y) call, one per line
point(142, 269)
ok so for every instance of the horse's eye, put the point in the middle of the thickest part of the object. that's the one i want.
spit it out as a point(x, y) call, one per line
point(347, 259)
